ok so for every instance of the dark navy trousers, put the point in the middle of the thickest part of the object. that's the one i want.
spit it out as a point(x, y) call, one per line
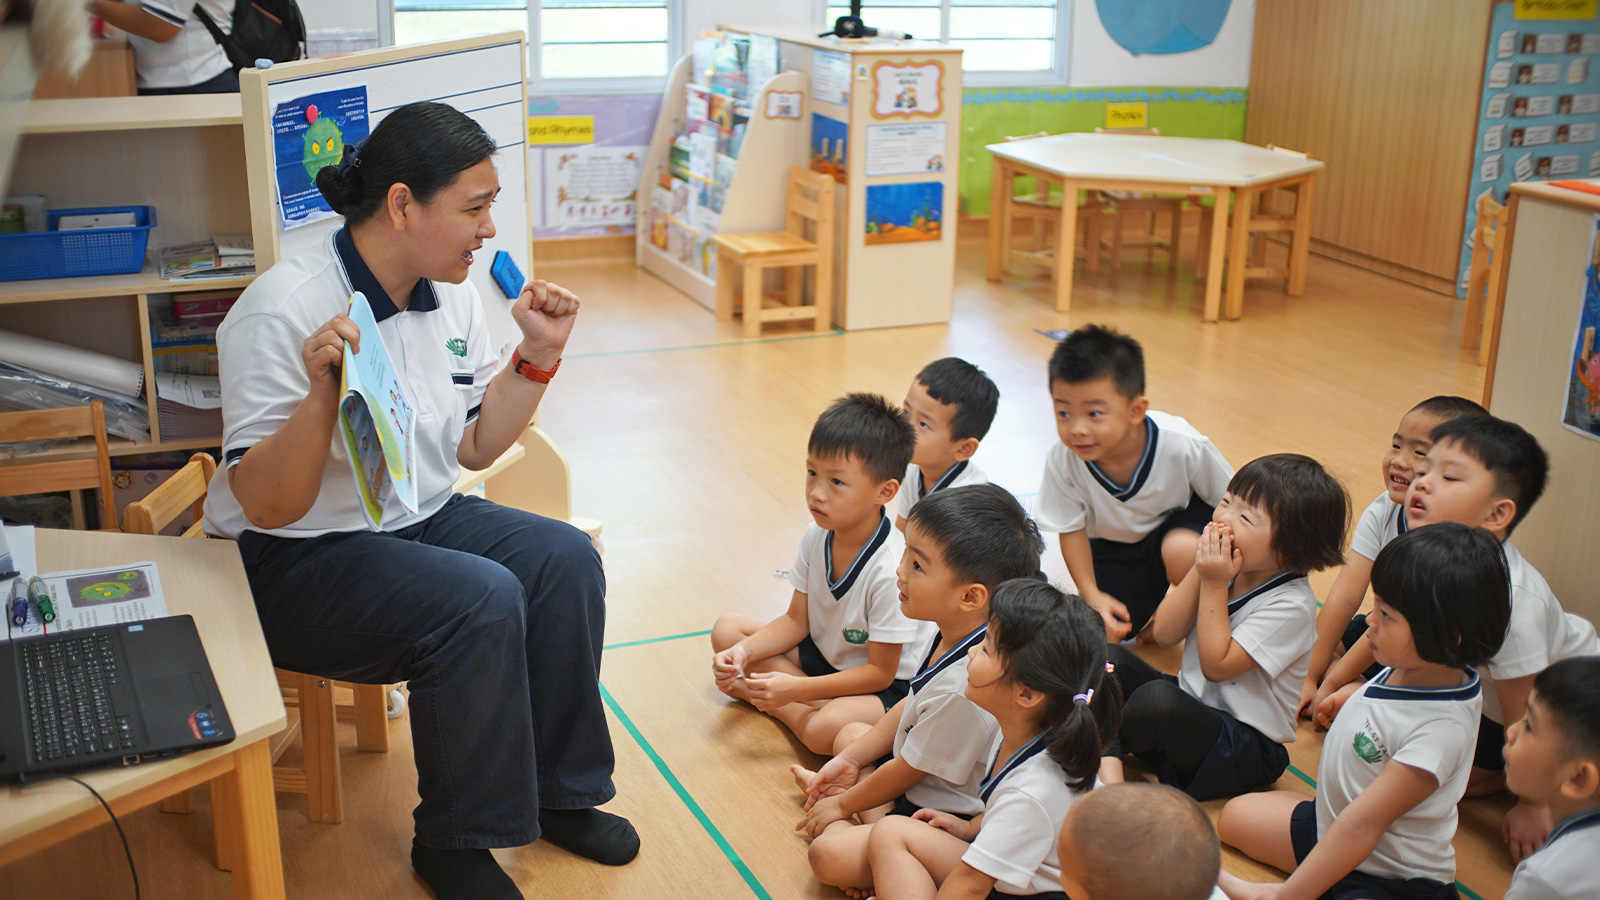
point(495, 616)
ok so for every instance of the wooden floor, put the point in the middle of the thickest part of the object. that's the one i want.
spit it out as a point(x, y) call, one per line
point(687, 442)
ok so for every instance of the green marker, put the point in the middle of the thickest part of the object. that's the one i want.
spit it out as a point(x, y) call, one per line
point(40, 595)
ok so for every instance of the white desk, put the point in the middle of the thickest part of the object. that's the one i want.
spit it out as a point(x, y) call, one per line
point(1154, 164)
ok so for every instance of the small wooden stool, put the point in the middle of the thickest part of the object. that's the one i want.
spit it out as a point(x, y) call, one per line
point(810, 200)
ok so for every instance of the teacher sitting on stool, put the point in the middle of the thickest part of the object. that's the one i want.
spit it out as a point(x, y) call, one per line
point(494, 615)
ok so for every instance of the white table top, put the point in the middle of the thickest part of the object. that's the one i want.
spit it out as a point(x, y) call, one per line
point(205, 579)
point(1153, 158)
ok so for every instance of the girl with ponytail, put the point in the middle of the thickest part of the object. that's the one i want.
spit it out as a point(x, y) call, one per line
point(1042, 673)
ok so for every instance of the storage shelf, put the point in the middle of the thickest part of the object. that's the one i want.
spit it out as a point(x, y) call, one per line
point(132, 113)
point(83, 448)
point(145, 282)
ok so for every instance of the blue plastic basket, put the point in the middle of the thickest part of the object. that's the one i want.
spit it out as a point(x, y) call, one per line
point(70, 254)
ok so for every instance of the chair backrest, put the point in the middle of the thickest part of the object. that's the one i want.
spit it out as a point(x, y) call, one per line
point(1285, 150)
point(1147, 132)
point(1491, 216)
point(60, 474)
point(811, 200)
point(185, 489)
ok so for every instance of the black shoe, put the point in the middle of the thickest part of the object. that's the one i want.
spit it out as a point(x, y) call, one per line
point(591, 834)
point(463, 874)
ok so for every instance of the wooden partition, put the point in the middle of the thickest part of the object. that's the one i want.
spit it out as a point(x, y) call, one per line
point(1548, 245)
point(1387, 95)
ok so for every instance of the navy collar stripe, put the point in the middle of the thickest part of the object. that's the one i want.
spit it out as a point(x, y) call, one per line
point(1575, 822)
point(930, 668)
point(1380, 689)
point(360, 278)
point(1276, 581)
point(1404, 526)
point(1029, 750)
point(1147, 462)
point(922, 483)
point(842, 587)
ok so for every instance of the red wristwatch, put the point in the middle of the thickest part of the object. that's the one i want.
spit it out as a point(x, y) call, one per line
point(532, 372)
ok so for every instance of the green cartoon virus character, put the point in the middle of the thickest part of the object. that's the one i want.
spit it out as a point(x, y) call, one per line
point(323, 143)
point(1367, 749)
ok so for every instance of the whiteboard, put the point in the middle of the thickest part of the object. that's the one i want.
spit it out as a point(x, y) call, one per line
point(484, 82)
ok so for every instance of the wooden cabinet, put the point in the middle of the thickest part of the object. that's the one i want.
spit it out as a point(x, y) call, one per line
point(109, 73)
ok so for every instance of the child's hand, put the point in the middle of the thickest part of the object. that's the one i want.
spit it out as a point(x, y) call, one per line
point(770, 690)
point(835, 777)
point(945, 822)
point(1329, 707)
point(1525, 829)
point(820, 815)
point(1215, 558)
point(1308, 698)
point(1113, 611)
point(728, 666)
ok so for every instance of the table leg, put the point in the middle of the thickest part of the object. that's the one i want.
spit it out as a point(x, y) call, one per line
point(725, 265)
point(1300, 243)
point(1238, 253)
point(1216, 250)
point(1066, 246)
point(253, 822)
point(999, 218)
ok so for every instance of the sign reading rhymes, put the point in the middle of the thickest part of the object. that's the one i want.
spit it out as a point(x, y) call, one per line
point(308, 134)
point(907, 89)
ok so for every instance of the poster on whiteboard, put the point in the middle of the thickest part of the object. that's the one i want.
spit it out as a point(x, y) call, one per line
point(911, 148)
point(585, 186)
point(1581, 406)
point(308, 134)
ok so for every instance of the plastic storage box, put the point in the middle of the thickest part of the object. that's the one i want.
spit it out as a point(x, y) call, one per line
point(71, 254)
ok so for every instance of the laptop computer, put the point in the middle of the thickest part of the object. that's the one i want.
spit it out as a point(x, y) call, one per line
point(115, 694)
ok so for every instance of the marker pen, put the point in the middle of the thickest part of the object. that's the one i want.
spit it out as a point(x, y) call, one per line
point(19, 602)
point(40, 595)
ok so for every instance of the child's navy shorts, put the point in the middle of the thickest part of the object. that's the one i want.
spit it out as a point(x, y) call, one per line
point(1303, 836)
point(814, 664)
point(1135, 573)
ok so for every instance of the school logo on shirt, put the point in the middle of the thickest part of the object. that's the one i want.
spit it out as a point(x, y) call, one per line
point(855, 635)
point(1368, 744)
point(458, 346)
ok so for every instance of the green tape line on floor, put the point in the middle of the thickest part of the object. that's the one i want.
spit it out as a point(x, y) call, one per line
point(683, 794)
point(657, 640)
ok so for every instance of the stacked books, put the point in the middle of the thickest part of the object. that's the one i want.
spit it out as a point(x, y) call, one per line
point(183, 331)
point(188, 406)
point(223, 256)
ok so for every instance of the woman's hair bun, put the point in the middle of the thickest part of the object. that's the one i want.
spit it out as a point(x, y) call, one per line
point(340, 184)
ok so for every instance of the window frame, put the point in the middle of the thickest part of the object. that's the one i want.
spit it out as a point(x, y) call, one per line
point(992, 78)
point(541, 86)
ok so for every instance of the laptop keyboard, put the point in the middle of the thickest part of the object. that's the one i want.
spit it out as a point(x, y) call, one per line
point(67, 690)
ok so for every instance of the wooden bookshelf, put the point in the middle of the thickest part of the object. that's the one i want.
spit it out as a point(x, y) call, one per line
point(148, 281)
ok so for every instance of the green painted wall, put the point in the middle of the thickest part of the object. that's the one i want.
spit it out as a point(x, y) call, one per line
point(989, 115)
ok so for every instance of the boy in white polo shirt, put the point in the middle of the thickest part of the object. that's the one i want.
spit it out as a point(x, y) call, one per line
point(843, 652)
point(951, 404)
point(173, 51)
point(1129, 489)
point(1553, 757)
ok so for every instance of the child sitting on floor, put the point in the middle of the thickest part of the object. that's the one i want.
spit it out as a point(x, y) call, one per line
point(951, 404)
point(1246, 616)
point(1128, 489)
point(1380, 523)
point(1397, 758)
point(1553, 758)
point(961, 544)
point(1041, 671)
point(843, 652)
point(1488, 472)
point(1112, 836)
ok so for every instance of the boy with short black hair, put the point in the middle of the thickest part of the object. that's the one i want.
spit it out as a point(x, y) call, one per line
point(843, 652)
point(1553, 757)
point(1129, 489)
point(1487, 472)
point(951, 404)
point(1134, 840)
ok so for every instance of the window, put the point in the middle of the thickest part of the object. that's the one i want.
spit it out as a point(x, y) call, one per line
point(1006, 41)
point(618, 43)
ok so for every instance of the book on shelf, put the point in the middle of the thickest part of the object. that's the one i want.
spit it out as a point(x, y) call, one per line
point(202, 259)
point(188, 406)
point(234, 244)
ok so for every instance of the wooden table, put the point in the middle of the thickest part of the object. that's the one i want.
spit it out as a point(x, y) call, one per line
point(206, 580)
point(1161, 165)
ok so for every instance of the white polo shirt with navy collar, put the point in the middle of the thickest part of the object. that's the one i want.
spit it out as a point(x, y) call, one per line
point(193, 56)
point(439, 345)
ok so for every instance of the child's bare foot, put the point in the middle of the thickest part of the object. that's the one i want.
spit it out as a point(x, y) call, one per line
point(802, 777)
point(735, 689)
point(859, 893)
point(1238, 889)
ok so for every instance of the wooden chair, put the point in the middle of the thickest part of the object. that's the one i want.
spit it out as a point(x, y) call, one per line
point(1120, 203)
point(1041, 209)
point(810, 201)
point(1483, 277)
point(60, 474)
point(314, 711)
point(1264, 219)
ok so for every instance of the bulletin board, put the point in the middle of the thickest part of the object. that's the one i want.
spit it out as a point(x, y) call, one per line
point(482, 76)
point(1539, 115)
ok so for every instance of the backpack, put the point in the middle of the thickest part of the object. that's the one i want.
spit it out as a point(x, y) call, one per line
point(262, 29)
